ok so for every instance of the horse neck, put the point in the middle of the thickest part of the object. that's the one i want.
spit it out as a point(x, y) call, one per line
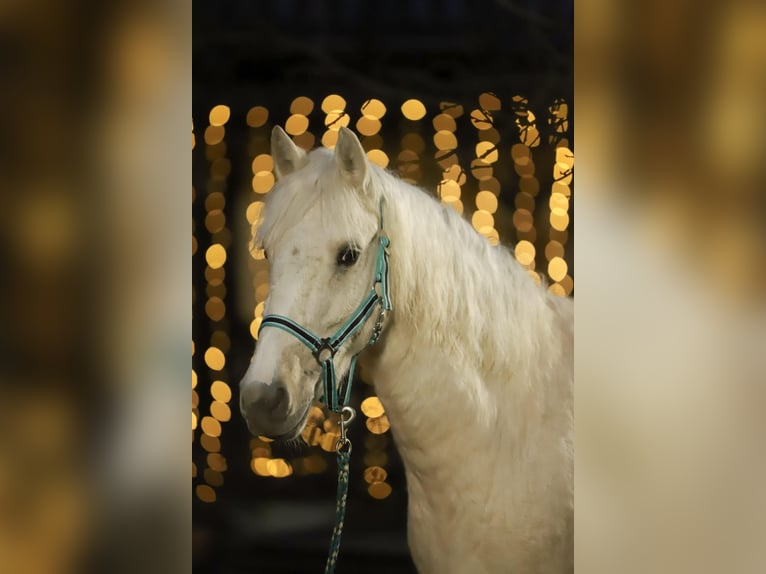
point(464, 323)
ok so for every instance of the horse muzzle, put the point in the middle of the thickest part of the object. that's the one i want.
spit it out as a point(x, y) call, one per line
point(266, 410)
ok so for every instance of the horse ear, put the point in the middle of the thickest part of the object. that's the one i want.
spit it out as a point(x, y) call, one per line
point(288, 157)
point(350, 157)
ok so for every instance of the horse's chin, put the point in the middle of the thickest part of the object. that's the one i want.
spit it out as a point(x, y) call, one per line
point(295, 431)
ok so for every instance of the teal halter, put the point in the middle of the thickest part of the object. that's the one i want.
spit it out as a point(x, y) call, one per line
point(325, 349)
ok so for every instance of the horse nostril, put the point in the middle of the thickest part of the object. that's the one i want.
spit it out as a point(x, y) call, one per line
point(274, 399)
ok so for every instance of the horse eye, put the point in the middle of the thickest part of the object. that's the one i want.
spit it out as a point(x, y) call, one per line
point(347, 256)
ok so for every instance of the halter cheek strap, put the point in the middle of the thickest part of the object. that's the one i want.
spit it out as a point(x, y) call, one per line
point(325, 349)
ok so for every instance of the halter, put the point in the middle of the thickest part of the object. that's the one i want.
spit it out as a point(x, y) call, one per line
point(324, 351)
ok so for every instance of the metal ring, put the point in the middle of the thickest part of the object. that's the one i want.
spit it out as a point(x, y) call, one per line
point(343, 442)
point(351, 414)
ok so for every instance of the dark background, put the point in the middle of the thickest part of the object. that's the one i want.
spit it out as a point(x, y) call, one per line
point(256, 52)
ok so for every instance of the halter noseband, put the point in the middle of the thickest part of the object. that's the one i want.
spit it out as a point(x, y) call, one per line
point(324, 349)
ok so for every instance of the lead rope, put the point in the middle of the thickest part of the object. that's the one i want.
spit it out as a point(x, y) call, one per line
point(343, 450)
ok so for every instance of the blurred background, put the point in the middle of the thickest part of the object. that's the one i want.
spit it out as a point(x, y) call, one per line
point(471, 101)
point(95, 173)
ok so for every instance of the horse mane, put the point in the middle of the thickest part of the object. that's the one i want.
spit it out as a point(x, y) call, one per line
point(452, 288)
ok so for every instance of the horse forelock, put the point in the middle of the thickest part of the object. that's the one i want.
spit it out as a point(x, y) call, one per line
point(317, 182)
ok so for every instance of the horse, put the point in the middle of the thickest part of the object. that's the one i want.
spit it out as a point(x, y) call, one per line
point(474, 364)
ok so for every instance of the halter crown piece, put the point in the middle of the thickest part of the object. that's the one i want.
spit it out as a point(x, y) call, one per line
point(324, 351)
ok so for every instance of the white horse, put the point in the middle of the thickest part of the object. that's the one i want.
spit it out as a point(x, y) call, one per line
point(474, 366)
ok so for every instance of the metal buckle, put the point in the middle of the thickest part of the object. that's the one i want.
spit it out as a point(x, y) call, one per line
point(325, 347)
point(343, 442)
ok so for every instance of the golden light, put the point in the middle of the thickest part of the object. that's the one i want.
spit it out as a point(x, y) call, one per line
point(455, 173)
point(481, 219)
point(215, 359)
point(374, 108)
point(446, 158)
point(216, 461)
point(486, 201)
point(263, 181)
point(565, 157)
point(333, 102)
point(486, 151)
point(194, 421)
point(559, 201)
point(194, 377)
point(489, 102)
point(213, 477)
point(194, 470)
point(480, 169)
point(279, 468)
point(210, 443)
point(215, 309)
point(445, 140)
point(524, 167)
point(449, 190)
point(557, 268)
point(491, 135)
point(557, 289)
point(530, 136)
point(375, 474)
point(444, 122)
point(535, 277)
point(413, 110)
point(554, 249)
point(220, 411)
point(259, 465)
point(215, 221)
point(481, 119)
point(215, 256)
point(379, 490)
point(336, 119)
point(378, 157)
point(296, 124)
point(378, 425)
point(372, 407)
point(519, 151)
point(525, 252)
point(211, 426)
point(490, 184)
point(214, 134)
point(368, 125)
point(205, 493)
point(215, 200)
point(522, 220)
point(305, 140)
point(302, 106)
point(451, 108)
point(195, 399)
point(257, 116)
point(561, 188)
point(567, 283)
point(559, 221)
point(220, 391)
point(330, 138)
point(262, 162)
point(219, 115)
